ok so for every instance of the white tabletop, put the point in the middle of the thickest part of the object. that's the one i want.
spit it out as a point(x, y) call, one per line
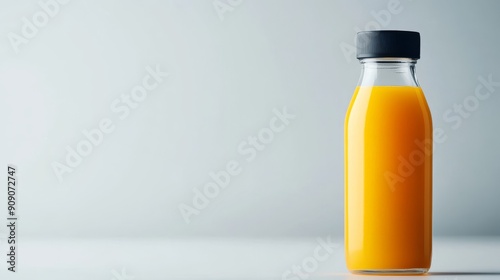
point(228, 258)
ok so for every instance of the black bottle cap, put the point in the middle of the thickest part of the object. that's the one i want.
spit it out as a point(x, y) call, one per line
point(388, 43)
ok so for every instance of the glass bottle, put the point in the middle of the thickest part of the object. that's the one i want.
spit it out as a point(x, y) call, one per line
point(388, 160)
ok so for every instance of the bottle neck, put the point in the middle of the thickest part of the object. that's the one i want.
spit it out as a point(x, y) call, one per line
point(393, 71)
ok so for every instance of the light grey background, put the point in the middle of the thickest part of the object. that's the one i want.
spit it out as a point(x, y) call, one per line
point(226, 77)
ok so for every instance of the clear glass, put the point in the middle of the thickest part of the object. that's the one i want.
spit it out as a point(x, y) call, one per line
point(388, 171)
point(388, 72)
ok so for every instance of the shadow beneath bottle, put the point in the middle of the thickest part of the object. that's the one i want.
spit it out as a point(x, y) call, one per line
point(463, 273)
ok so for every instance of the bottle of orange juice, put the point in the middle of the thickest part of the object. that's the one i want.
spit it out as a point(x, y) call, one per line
point(388, 160)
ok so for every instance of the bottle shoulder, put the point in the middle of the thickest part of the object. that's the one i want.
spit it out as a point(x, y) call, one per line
point(387, 102)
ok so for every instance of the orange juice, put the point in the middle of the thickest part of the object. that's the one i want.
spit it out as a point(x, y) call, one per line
point(388, 180)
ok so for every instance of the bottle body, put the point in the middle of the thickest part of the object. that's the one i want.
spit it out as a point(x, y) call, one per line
point(388, 171)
